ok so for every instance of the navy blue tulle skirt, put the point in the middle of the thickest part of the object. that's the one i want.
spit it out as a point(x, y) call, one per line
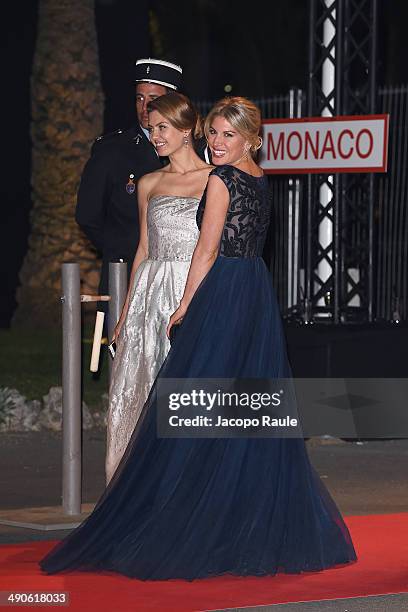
point(193, 508)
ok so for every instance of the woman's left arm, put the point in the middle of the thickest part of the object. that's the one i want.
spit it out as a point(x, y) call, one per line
point(206, 250)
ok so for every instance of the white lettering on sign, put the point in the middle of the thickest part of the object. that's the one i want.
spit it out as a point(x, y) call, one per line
point(325, 144)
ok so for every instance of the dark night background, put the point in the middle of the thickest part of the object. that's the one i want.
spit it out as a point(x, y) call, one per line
point(260, 49)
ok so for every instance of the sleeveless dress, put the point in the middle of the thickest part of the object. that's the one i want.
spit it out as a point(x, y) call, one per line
point(157, 289)
point(193, 508)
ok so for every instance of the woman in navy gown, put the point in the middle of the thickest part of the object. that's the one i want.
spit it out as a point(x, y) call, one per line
point(193, 508)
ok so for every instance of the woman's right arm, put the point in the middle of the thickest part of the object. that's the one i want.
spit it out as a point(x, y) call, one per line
point(207, 247)
point(142, 249)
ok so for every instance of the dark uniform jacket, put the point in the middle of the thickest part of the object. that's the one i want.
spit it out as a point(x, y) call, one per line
point(107, 209)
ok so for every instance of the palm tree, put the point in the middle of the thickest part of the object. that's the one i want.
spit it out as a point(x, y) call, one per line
point(67, 114)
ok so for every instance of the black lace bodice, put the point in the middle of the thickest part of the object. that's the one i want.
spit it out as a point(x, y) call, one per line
point(248, 214)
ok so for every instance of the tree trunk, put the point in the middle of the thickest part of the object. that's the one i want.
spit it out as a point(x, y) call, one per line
point(67, 114)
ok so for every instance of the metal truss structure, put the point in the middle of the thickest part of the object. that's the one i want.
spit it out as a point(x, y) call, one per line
point(340, 231)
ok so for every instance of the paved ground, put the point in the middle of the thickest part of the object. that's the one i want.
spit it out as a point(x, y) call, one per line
point(364, 478)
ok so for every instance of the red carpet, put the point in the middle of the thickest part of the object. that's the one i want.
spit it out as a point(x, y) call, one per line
point(382, 547)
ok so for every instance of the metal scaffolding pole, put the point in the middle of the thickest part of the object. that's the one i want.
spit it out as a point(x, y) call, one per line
point(326, 190)
point(372, 179)
point(293, 215)
point(340, 260)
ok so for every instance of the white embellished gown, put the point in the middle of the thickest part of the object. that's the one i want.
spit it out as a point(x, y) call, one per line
point(157, 289)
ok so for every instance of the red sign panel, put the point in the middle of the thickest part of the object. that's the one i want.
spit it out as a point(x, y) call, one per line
point(325, 145)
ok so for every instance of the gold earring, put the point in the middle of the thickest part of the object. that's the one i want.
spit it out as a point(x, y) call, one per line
point(186, 141)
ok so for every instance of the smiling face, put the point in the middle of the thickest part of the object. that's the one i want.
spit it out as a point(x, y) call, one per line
point(166, 138)
point(145, 93)
point(226, 143)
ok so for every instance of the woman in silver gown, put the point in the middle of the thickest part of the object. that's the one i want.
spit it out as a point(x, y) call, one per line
point(167, 240)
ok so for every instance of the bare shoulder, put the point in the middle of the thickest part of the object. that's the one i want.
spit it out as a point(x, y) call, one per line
point(149, 181)
point(151, 178)
point(216, 186)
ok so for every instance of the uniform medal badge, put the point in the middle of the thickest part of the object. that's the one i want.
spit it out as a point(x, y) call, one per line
point(130, 186)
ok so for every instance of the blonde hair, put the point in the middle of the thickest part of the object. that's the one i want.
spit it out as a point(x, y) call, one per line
point(179, 111)
point(242, 114)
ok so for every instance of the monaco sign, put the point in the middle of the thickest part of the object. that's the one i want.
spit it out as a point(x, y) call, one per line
point(324, 145)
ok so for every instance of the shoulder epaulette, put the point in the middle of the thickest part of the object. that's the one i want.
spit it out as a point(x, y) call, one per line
point(108, 136)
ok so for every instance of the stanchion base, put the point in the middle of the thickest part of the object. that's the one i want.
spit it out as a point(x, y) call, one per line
point(47, 518)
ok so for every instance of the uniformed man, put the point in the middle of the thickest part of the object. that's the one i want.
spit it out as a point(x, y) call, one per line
point(107, 208)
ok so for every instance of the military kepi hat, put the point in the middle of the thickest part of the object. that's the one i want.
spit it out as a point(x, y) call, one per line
point(158, 71)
